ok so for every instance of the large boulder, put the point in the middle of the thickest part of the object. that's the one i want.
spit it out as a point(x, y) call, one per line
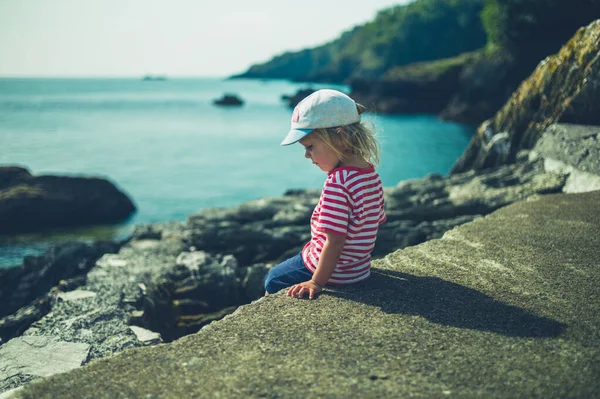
point(31, 203)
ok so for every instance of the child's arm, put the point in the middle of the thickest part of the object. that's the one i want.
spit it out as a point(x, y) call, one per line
point(330, 254)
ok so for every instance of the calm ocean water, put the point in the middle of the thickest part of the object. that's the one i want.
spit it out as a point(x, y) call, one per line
point(173, 152)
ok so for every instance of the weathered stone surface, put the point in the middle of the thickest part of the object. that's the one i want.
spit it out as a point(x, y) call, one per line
point(503, 306)
point(572, 150)
point(9, 393)
point(196, 290)
point(146, 336)
point(563, 88)
point(29, 358)
point(422, 209)
point(148, 283)
point(24, 289)
point(75, 295)
point(31, 203)
point(575, 145)
point(103, 321)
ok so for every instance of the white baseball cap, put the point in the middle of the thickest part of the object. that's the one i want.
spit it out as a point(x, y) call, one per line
point(323, 108)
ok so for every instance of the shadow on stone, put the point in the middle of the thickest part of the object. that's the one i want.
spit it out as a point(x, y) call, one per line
point(446, 303)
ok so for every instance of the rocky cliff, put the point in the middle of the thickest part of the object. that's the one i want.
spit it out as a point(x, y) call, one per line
point(563, 88)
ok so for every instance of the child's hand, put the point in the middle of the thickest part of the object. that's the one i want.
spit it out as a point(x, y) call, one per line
point(307, 287)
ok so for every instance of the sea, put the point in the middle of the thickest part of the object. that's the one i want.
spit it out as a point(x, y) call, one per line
point(166, 145)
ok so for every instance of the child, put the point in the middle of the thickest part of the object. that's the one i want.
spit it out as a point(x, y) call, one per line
point(345, 221)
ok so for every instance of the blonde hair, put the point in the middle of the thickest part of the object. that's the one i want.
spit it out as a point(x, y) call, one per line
point(356, 139)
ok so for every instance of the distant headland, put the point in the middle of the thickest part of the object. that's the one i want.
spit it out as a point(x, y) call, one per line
point(154, 78)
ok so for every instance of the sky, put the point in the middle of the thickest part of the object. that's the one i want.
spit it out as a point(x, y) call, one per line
point(61, 38)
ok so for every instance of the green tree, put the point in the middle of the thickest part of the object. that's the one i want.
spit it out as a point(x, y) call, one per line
point(536, 28)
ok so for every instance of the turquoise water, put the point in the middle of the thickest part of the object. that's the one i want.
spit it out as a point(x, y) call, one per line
point(173, 152)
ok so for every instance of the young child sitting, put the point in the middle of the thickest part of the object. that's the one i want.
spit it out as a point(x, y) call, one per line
point(344, 223)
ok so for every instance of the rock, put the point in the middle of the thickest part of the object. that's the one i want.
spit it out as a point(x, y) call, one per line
point(15, 324)
point(102, 327)
point(294, 99)
point(229, 100)
point(422, 209)
point(26, 287)
point(9, 394)
point(145, 336)
point(183, 298)
point(103, 321)
point(32, 203)
point(573, 150)
point(75, 295)
point(563, 88)
point(29, 358)
point(253, 282)
point(255, 232)
point(505, 306)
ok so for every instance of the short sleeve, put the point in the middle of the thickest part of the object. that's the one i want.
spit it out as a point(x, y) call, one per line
point(335, 209)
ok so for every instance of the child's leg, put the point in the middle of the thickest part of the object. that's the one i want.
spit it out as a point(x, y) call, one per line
point(286, 274)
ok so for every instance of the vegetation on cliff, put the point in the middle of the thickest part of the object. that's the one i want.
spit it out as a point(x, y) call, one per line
point(420, 31)
point(535, 28)
point(472, 87)
point(427, 30)
point(461, 59)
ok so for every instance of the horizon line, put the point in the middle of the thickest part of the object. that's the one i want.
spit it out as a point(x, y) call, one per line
point(100, 76)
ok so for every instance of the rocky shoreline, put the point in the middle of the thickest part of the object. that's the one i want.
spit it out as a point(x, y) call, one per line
point(169, 280)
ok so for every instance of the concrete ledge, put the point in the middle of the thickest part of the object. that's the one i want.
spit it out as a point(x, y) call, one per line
point(505, 306)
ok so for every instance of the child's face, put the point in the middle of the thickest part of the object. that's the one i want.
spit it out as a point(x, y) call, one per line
point(320, 153)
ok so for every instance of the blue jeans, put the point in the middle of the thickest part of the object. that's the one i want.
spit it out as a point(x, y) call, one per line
point(286, 274)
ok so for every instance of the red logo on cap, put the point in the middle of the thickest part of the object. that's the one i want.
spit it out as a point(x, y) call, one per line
point(296, 115)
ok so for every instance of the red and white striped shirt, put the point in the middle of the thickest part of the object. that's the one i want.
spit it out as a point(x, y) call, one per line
point(351, 205)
